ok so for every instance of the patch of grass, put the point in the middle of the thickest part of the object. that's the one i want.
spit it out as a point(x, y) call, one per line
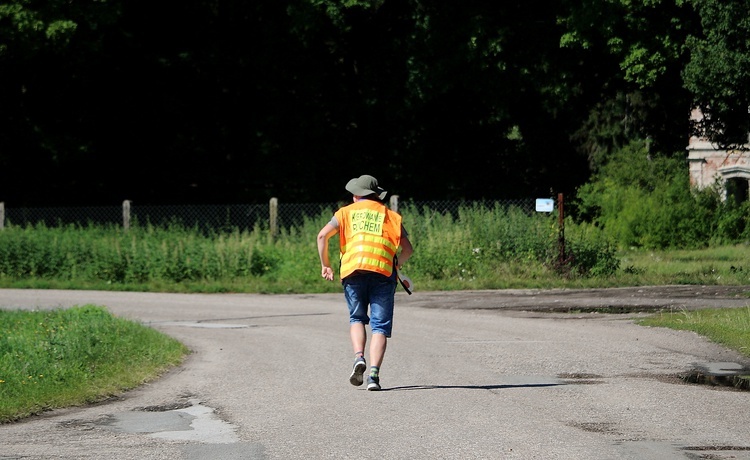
point(67, 357)
point(723, 265)
point(729, 327)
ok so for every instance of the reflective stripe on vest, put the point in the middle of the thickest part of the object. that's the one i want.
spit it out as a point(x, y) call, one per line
point(369, 234)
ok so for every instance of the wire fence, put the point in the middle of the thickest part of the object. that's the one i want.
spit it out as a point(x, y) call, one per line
point(271, 216)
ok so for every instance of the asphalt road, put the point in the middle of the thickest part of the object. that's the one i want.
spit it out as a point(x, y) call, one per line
point(467, 375)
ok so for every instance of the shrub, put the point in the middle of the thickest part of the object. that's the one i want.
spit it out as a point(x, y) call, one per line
point(640, 200)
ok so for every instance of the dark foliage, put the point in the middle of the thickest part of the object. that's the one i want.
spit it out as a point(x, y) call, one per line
point(237, 102)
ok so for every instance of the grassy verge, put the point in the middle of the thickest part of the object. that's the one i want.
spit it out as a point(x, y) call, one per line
point(293, 273)
point(477, 247)
point(67, 357)
point(729, 327)
point(720, 265)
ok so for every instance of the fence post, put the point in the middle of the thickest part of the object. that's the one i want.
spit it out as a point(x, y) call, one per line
point(126, 215)
point(394, 203)
point(2, 215)
point(273, 214)
point(561, 224)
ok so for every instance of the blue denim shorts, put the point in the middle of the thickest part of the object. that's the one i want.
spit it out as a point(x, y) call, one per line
point(376, 292)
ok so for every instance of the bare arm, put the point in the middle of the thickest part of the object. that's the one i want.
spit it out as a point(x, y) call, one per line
point(324, 235)
point(406, 251)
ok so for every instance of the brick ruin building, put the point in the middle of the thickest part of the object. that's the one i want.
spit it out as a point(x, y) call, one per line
point(727, 169)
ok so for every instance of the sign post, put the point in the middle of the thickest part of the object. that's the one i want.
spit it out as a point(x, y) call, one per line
point(561, 225)
point(548, 205)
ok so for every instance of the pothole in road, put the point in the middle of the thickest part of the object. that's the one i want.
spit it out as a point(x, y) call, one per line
point(580, 378)
point(187, 421)
point(720, 374)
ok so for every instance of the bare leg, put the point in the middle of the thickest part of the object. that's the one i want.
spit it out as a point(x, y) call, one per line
point(377, 349)
point(359, 337)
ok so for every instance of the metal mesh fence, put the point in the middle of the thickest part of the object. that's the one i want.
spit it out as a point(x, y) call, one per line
point(221, 217)
point(203, 217)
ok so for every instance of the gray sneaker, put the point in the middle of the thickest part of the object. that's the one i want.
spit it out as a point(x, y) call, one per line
point(373, 383)
point(358, 371)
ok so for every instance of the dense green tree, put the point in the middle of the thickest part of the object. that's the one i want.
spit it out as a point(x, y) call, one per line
point(203, 101)
point(484, 115)
point(41, 43)
point(718, 73)
point(633, 50)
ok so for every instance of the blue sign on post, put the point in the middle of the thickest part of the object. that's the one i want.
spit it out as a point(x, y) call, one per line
point(545, 204)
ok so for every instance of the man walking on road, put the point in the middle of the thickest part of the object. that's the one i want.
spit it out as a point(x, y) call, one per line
point(370, 236)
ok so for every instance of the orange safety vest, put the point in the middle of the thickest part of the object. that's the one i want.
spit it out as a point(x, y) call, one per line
point(369, 236)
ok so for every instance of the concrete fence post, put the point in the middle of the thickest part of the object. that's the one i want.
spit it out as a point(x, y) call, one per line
point(273, 216)
point(394, 203)
point(126, 215)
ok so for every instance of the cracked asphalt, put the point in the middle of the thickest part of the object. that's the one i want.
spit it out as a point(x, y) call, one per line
point(511, 374)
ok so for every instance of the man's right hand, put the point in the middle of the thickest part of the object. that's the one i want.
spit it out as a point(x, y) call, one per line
point(327, 273)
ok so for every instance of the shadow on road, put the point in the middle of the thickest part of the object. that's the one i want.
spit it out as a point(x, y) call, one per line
point(471, 387)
